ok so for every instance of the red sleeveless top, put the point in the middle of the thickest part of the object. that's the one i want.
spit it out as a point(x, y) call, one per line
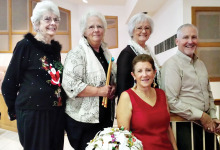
point(150, 123)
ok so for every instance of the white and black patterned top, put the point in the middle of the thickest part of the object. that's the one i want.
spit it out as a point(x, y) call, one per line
point(82, 68)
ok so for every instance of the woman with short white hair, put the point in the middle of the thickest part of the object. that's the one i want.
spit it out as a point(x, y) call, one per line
point(32, 84)
point(84, 79)
point(140, 27)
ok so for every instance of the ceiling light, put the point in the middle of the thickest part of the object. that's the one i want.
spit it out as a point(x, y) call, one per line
point(85, 1)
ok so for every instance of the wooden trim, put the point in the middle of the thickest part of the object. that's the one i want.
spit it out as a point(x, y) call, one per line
point(193, 10)
point(70, 37)
point(197, 9)
point(5, 123)
point(111, 26)
point(63, 9)
point(62, 33)
point(217, 101)
point(210, 44)
point(10, 128)
point(18, 33)
point(214, 79)
point(30, 14)
point(3, 33)
point(174, 117)
point(110, 17)
point(10, 25)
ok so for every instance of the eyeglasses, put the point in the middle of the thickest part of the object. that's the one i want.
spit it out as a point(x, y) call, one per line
point(140, 29)
point(93, 27)
point(49, 20)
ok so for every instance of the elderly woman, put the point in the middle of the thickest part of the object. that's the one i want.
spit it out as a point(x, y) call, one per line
point(31, 87)
point(140, 27)
point(84, 79)
point(144, 110)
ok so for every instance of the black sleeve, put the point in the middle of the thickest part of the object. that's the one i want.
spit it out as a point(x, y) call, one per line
point(124, 68)
point(11, 82)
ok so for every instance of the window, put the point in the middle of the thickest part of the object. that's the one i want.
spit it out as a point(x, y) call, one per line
point(207, 20)
point(15, 23)
point(111, 35)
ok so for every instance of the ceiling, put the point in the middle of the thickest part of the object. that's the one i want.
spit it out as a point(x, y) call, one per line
point(100, 2)
point(150, 6)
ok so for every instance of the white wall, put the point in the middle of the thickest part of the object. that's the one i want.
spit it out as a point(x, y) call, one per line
point(166, 22)
point(5, 59)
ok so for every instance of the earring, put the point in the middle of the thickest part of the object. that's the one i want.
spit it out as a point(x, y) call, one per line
point(154, 84)
point(135, 85)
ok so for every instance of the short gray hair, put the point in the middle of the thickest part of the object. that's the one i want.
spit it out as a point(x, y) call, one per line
point(140, 17)
point(86, 16)
point(40, 9)
point(179, 30)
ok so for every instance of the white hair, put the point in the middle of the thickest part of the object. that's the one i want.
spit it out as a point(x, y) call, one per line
point(86, 16)
point(40, 9)
point(179, 30)
point(138, 18)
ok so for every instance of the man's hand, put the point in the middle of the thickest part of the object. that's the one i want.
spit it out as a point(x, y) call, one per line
point(217, 123)
point(207, 122)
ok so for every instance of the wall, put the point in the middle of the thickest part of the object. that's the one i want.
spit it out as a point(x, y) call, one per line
point(166, 22)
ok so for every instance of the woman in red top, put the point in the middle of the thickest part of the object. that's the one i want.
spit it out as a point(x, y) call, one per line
point(143, 109)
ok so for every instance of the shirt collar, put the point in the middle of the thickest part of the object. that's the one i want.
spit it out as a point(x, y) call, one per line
point(187, 58)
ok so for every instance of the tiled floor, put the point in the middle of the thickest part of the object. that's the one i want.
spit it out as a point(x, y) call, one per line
point(9, 141)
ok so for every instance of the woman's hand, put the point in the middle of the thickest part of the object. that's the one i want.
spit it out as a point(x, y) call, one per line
point(107, 91)
point(104, 91)
point(112, 92)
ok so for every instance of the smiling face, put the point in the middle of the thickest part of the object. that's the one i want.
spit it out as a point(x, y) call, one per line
point(48, 25)
point(94, 31)
point(142, 32)
point(187, 41)
point(143, 74)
